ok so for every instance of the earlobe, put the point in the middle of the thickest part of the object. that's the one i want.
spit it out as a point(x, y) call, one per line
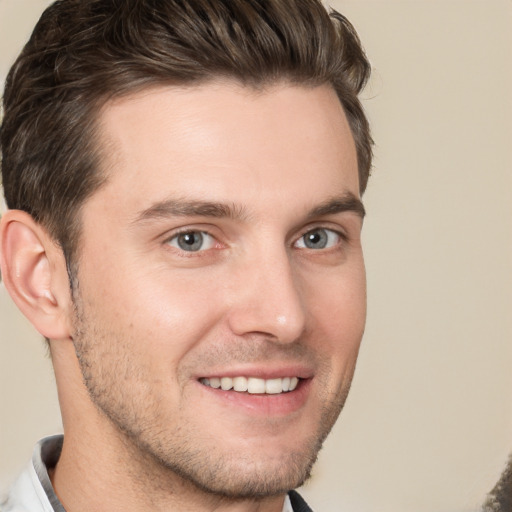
point(32, 269)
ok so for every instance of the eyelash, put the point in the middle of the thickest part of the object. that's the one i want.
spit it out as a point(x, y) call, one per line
point(341, 237)
point(203, 233)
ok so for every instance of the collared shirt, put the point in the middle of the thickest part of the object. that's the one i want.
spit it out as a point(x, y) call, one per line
point(33, 491)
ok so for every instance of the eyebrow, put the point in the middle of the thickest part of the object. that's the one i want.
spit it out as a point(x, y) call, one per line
point(191, 208)
point(177, 207)
point(348, 202)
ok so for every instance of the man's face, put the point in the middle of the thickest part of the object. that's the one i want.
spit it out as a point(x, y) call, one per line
point(224, 249)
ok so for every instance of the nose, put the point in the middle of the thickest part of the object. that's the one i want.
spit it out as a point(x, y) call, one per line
point(267, 299)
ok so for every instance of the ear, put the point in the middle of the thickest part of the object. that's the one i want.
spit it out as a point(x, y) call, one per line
point(35, 275)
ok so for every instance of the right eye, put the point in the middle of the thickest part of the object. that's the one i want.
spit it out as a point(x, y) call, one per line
point(192, 241)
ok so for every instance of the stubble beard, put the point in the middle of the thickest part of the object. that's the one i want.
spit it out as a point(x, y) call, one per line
point(162, 458)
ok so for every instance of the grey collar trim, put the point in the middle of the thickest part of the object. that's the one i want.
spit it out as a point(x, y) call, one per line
point(46, 454)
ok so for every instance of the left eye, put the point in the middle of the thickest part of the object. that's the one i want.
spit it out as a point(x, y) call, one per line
point(319, 238)
point(192, 241)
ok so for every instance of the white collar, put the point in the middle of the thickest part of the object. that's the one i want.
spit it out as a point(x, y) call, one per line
point(287, 506)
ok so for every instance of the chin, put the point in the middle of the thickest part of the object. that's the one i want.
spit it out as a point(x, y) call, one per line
point(242, 478)
point(229, 472)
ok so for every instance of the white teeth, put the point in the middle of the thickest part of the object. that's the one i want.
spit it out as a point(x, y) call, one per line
point(226, 383)
point(253, 385)
point(214, 382)
point(274, 386)
point(240, 384)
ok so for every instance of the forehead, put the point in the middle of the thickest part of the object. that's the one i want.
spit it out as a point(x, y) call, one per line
point(227, 142)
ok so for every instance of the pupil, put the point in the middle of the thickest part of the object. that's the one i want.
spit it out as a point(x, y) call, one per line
point(190, 241)
point(316, 239)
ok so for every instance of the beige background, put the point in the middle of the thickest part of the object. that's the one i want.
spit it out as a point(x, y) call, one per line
point(428, 424)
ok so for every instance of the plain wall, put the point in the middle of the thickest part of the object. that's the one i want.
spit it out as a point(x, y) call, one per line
point(428, 424)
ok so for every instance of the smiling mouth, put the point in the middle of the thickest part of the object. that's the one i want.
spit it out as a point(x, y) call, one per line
point(252, 385)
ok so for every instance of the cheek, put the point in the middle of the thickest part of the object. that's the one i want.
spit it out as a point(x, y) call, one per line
point(169, 312)
point(339, 312)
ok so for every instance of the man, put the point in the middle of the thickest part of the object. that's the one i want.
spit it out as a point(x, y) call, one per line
point(184, 185)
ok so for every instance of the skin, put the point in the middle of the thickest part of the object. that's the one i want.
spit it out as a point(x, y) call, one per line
point(148, 319)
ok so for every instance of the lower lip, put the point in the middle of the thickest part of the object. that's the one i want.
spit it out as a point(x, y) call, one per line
point(277, 405)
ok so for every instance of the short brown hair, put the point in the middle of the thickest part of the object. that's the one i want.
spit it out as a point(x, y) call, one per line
point(84, 52)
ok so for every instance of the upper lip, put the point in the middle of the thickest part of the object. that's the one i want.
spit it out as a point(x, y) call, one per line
point(261, 371)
